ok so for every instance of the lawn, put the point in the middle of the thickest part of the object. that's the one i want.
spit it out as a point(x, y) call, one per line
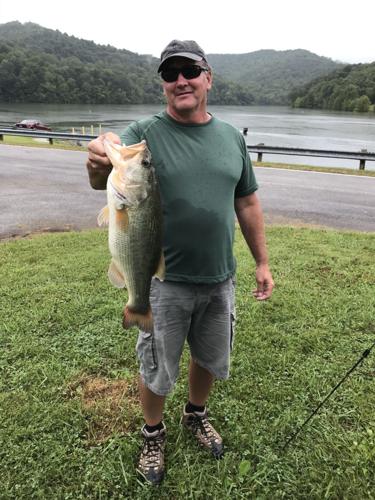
point(16, 140)
point(69, 419)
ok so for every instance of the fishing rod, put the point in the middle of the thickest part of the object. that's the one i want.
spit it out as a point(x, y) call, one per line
point(360, 360)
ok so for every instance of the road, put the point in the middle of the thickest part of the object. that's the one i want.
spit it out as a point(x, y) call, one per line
point(339, 201)
point(48, 190)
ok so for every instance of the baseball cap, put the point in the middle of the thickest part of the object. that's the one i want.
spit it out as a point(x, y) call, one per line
point(182, 48)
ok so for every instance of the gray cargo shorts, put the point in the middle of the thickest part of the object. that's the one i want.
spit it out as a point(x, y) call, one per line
point(204, 315)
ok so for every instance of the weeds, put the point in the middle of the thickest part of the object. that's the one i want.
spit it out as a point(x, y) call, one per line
point(69, 420)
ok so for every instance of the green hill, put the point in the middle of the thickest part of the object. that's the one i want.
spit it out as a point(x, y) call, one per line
point(43, 65)
point(351, 88)
point(271, 75)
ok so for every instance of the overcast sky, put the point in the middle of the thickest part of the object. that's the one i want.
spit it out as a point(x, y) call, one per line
point(340, 29)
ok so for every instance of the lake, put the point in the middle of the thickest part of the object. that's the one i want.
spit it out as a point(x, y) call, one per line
point(271, 125)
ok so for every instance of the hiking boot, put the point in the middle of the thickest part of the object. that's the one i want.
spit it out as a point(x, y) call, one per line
point(151, 460)
point(197, 423)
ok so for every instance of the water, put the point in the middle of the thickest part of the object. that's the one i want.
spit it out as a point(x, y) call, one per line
point(271, 125)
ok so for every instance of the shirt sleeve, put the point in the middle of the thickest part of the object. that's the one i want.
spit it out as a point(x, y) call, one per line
point(247, 183)
point(131, 135)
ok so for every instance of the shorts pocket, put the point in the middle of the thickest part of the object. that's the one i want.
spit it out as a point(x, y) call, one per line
point(146, 351)
point(233, 312)
point(232, 328)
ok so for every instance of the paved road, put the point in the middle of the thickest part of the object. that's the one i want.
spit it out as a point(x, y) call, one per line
point(48, 190)
point(45, 190)
point(323, 199)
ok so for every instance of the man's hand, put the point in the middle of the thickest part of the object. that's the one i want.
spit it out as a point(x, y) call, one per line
point(264, 281)
point(98, 165)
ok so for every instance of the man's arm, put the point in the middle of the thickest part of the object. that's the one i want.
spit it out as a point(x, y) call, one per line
point(98, 165)
point(250, 217)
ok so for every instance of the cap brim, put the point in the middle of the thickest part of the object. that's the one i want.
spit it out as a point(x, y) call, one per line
point(188, 55)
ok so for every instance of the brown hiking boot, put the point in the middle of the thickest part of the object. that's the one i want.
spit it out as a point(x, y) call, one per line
point(197, 423)
point(151, 460)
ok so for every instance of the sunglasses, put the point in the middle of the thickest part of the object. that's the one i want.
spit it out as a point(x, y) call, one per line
point(189, 72)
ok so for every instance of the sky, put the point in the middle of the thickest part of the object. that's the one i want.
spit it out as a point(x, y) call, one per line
point(342, 30)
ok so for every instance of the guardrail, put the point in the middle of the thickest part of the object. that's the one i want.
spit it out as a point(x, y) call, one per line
point(46, 135)
point(362, 156)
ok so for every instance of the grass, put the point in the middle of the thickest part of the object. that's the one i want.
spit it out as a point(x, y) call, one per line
point(313, 168)
point(69, 420)
point(14, 140)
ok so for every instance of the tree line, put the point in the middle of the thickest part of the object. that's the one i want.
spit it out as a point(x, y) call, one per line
point(40, 65)
point(43, 65)
point(269, 75)
point(26, 76)
point(351, 88)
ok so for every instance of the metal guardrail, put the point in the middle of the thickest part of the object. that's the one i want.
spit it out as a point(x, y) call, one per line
point(260, 149)
point(362, 155)
point(46, 135)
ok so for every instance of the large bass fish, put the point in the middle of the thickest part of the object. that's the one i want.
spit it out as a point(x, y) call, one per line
point(134, 217)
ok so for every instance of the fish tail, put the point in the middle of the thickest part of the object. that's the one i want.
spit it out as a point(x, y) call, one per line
point(143, 320)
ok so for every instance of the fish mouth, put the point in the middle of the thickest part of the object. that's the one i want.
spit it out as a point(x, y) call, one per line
point(118, 155)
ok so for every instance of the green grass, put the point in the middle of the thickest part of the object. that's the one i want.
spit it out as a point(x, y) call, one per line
point(14, 140)
point(60, 332)
point(313, 168)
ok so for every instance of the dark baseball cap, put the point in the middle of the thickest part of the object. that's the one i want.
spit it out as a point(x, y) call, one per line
point(182, 48)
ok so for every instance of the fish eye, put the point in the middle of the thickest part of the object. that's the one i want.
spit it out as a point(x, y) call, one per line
point(146, 163)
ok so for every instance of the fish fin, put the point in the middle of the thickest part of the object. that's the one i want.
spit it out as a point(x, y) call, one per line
point(122, 219)
point(132, 318)
point(160, 271)
point(103, 217)
point(115, 276)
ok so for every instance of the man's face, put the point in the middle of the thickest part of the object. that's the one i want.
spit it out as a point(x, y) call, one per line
point(186, 95)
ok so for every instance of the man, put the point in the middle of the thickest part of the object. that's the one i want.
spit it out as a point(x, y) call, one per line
point(205, 177)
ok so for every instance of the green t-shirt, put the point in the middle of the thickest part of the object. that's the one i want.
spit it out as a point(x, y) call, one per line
point(201, 168)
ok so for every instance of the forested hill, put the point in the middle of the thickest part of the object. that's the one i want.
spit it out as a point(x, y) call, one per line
point(351, 88)
point(271, 75)
point(43, 65)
